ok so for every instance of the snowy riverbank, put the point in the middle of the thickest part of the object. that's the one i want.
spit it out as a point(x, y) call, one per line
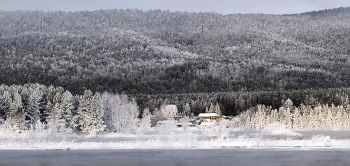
point(179, 138)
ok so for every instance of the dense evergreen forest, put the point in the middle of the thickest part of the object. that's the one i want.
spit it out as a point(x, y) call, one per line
point(182, 58)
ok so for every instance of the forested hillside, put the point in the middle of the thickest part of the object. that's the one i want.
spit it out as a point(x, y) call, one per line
point(161, 52)
point(194, 59)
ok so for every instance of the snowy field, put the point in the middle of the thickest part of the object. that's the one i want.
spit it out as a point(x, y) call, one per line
point(181, 138)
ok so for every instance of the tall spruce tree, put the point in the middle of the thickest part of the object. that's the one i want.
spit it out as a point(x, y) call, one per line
point(16, 117)
point(90, 114)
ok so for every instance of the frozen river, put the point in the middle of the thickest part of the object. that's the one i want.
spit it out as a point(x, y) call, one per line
point(174, 157)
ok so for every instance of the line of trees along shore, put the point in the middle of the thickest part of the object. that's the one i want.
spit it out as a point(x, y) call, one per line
point(37, 107)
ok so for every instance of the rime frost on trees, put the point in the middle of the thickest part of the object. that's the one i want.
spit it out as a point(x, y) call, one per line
point(309, 100)
point(120, 114)
point(322, 117)
point(72, 65)
point(240, 103)
point(90, 113)
point(187, 109)
point(61, 115)
point(145, 122)
point(146, 119)
point(67, 107)
point(210, 109)
point(5, 101)
point(157, 116)
point(61, 111)
point(32, 109)
point(52, 98)
point(287, 103)
point(214, 109)
point(296, 119)
point(169, 111)
point(16, 117)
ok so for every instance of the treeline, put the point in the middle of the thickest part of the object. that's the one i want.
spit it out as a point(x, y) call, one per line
point(234, 103)
point(304, 117)
point(162, 52)
point(39, 108)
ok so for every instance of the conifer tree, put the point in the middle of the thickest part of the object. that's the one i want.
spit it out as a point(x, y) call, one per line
point(157, 116)
point(90, 113)
point(67, 107)
point(33, 106)
point(218, 109)
point(16, 117)
point(61, 117)
point(5, 101)
point(187, 109)
point(145, 122)
point(211, 108)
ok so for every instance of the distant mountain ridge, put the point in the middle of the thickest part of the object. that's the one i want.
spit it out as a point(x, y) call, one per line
point(328, 11)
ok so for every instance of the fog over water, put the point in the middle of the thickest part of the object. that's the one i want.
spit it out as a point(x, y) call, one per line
point(219, 6)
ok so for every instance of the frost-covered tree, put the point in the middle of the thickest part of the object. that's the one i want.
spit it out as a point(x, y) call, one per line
point(214, 108)
point(53, 96)
point(145, 122)
point(33, 106)
point(240, 103)
point(67, 107)
point(218, 109)
point(90, 113)
point(309, 100)
point(75, 115)
point(5, 101)
point(157, 116)
point(131, 113)
point(16, 117)
point(211, 109)
point(287, 103)
point(61, 116)
point(321, 117)
point(187, 109)
point(120, 114)
point(339, 117)
point(146, 119)
point(296, 119)
point(169, 111)
point(107, 101)
point(285, 116)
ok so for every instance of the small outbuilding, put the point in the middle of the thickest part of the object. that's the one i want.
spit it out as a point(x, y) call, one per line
point(209, 116)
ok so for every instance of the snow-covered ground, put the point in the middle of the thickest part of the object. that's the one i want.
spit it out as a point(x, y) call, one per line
point(272, 137)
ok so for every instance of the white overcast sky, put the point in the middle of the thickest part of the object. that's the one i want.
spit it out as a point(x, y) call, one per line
point(219, 6)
